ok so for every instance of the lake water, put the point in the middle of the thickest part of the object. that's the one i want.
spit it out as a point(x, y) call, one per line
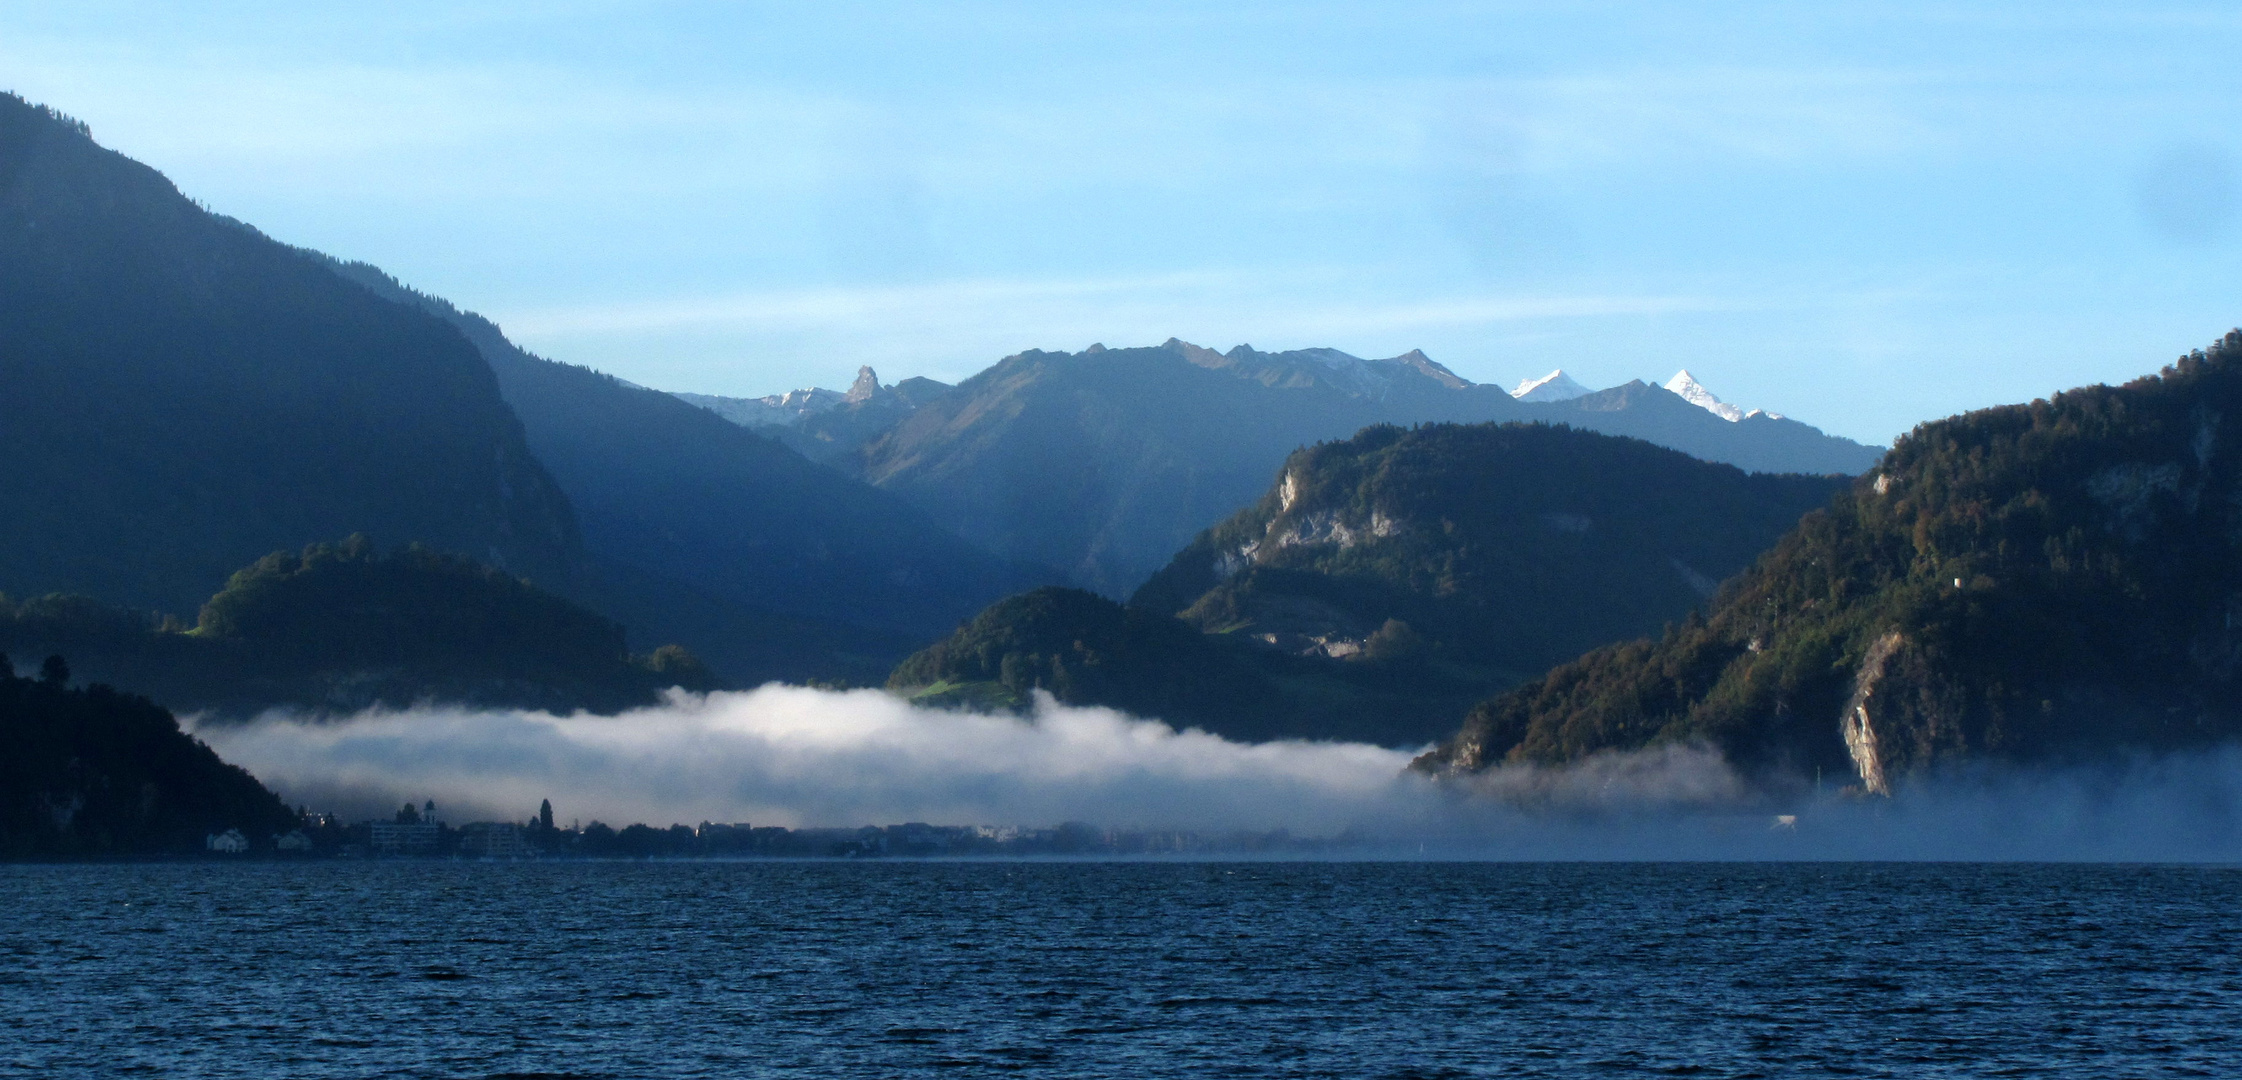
point(1119, 970)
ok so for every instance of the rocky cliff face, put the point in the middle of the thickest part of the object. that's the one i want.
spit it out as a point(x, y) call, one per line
point(2055, 580)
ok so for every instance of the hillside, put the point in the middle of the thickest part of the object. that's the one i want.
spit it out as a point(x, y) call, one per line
point(709, 534)
point(340, 628)
point(180, 395)
point(2046, 581)
point(1103, 463)
point(94, 773)
point(1508, 546)
point(1385, 582)
point(1087, 650)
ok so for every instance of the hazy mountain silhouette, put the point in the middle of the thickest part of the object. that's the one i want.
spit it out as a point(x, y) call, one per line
point(702, 530)
point(180, 395)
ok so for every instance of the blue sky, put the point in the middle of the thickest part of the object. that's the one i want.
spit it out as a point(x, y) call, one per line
point(1863, 215)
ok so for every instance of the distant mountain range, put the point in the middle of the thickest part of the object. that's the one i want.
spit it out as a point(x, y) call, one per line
point(707, 533)
point(1385, 581)
point(2053, 581)
point(181, 395)
point(826, 425)
point(1102, 463)
point(1314, 544)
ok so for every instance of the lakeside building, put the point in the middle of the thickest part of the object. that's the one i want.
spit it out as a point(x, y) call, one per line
point(494, 840)
point(406, 837)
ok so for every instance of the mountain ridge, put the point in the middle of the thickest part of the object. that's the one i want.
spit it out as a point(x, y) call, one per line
point(700, 528)
point(1384, 581)
point(1105, 462)
point(180, 394)
point(2024, 582)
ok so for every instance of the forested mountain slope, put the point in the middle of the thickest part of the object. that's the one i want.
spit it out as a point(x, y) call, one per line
point(1510, 546)
point(180, 395)
point(339, 628)
point(1386, 581)
point(2044, 581)
point(94, 773)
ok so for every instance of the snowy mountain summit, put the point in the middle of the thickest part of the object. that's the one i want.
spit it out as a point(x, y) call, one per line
point(1694, 392)
point(1555, 386)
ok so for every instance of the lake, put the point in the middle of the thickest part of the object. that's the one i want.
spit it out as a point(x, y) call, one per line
point(1119, 969)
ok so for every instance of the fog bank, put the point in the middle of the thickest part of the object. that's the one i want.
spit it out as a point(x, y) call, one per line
point(799, 757)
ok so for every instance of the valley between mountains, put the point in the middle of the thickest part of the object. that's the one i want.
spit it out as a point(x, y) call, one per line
point(247, 477)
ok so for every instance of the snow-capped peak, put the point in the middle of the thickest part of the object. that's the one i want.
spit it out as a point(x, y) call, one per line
point(1694, 392)
point(1555, 386)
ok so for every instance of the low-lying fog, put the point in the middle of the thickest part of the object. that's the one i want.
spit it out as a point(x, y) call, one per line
point(793, 756)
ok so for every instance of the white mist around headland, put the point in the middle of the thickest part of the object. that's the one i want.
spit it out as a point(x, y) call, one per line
point(800, 757)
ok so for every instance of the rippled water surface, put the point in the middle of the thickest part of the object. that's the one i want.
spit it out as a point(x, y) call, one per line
point(1119, 969)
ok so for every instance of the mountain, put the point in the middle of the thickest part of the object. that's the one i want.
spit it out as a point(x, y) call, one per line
point(1103, 463)
point(1756, 442)
point(337, 629)
point(2050, 581)
point(826, 425)
point(1087, 650)
point(1685, 386)
point(94, 773)
point(1509, 546)
point(706, 533)
point(1384, 582)
point(1555, 386)
point(180, 395)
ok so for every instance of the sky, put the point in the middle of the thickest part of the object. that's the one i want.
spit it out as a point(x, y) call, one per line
point(1863, 216)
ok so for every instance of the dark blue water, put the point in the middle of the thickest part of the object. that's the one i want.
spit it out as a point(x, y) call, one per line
point(1120, 970)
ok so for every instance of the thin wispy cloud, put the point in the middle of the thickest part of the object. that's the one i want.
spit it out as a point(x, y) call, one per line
point(978, 300)
point(742, 200)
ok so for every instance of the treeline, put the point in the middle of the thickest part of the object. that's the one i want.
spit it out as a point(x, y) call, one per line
point(93, 773)
point(338, 628)
point(326, 836)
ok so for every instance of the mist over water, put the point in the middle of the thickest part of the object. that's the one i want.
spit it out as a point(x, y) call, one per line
point(793, 756)
point(797, 757)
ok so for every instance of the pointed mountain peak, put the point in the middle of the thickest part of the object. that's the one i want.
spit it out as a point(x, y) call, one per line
point(867, 384)
point(1425, 365)
point(1555, 386)
point(1694, 392)
point(1197, 354)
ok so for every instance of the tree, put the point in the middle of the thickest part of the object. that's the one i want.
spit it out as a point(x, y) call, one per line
point(55, 672)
